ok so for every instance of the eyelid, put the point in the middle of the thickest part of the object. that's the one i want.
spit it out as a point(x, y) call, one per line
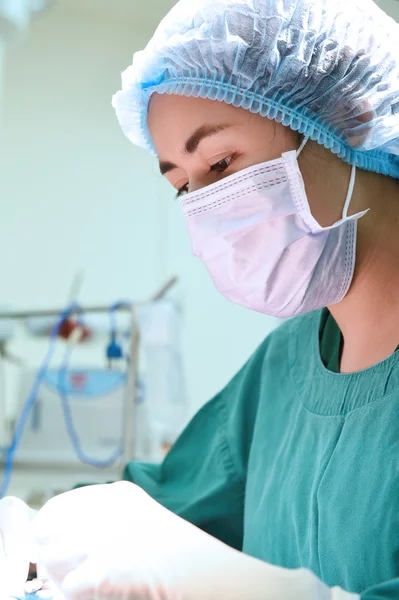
point(231, 157)
point(179, 184)
point(221, 156)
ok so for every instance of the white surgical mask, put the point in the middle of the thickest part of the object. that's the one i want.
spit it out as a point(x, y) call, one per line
point(261, 245)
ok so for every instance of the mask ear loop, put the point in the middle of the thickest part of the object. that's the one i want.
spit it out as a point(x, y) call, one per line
point(301, 147)
point(350, 192)
point(351, 182)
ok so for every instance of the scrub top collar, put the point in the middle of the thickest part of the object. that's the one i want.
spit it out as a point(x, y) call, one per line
point(346, 391)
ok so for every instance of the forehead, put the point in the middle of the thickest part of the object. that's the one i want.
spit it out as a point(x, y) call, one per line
point(172, 118)
point(173, 110)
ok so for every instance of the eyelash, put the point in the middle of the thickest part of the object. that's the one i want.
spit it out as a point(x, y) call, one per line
point(228, 160)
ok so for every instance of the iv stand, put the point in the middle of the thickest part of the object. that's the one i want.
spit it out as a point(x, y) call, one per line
point(130, 397)
point(130, 394)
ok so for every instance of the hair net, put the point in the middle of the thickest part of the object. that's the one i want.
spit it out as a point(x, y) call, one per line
point(326, 68)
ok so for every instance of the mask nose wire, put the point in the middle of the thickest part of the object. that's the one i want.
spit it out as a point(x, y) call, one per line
point(350, 192)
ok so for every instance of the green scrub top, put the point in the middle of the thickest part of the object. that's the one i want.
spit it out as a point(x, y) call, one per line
point(296, 464)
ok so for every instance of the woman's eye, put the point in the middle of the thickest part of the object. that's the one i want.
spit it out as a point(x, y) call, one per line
point(183, 190)
point(222, 165)
point(218, 167)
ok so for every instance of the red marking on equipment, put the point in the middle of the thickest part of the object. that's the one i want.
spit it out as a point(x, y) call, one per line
point(78, 380)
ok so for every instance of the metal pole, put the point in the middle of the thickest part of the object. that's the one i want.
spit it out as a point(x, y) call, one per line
point(131, 387)
point(130, 394)
point(55, 312)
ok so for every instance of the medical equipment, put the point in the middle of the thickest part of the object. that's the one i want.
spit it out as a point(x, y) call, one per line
point(76, 404)
point(83, 413)
point(33, 590)
point(39, 595)
point(33, 586)
point(7, 330)
point(29, 403)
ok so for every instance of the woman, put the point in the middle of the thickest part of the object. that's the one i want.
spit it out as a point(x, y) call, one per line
point(277, 122)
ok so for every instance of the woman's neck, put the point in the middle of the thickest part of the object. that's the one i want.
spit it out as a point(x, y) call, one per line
point(368, 316)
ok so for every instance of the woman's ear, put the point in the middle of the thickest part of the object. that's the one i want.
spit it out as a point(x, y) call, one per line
point(366, 114)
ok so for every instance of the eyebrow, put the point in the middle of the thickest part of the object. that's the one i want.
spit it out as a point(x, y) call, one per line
point(192, 143)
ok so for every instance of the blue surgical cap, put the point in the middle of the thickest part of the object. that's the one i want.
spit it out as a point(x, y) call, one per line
point(328, 69)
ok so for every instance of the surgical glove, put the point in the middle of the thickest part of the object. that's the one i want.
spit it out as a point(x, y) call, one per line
point(17, 546)
point(115, 542)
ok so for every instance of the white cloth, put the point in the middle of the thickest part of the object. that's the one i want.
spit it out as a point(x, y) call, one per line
point(17, 547)
point(114, 541)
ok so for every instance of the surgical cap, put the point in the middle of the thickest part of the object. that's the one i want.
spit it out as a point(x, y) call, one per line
point(328, 69)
